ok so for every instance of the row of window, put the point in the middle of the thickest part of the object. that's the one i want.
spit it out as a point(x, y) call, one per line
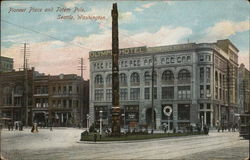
point(65, 103)
point(44, 103)
point(202, 74)
point(220, 79)
point(167, 93)
point(167, 77)
point(132, 112)
point(41, 89)
point(205, 91)
point(145, 62)
point(205, 58)
point(7, 65)
point(64, 89)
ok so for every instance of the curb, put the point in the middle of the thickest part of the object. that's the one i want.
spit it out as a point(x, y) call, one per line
point(133, 141)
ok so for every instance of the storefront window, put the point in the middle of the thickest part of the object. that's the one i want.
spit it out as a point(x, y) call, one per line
point(183, 112)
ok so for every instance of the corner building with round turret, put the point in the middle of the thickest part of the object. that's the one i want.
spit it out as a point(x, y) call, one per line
point(198, 81)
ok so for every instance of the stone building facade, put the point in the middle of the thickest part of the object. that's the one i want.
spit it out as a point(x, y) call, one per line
point(198, 81)
point(13, 95)
point(244, 89)
point(6, 64)
point(60, 100)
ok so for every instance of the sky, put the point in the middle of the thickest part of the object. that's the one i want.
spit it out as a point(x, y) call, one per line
point(58, 33)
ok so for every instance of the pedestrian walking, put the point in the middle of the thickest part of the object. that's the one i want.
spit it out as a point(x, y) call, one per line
point(95, 136)
point(9, 124)
point(16, 125)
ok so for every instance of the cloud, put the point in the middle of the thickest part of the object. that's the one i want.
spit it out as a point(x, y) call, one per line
point(126, 17)
point(164, 36)
point(148, 5)
point(224, 29)
point(169, 2)
point(141, 9)
point(138, 9)
point(72, 4)
point(55, 57)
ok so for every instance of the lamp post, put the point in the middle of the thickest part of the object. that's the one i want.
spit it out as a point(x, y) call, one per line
point(201, 123)
point(88, 122)
point(100, 124)
point(123, 115)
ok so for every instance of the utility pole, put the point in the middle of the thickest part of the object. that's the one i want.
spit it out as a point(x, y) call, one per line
point(116, 128)
point(228, 91)
point(81, 68)
point(152, 85)
point(26, 92)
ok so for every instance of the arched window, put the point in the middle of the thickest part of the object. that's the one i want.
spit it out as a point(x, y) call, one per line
point(135, 78)
point(184, 75)
point(123, 79)
point(148, 77)
point(109, 80)
point(98, 80)
point(167, 76)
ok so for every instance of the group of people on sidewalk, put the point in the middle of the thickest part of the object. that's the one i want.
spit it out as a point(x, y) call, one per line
point(17, 125)
point(230, 127)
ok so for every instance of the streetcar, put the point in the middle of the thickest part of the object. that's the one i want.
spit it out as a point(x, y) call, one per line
point(244, 129)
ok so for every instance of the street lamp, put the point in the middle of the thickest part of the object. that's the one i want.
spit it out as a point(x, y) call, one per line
point(88, 117)
point(101, 124)
point(123, 115)
point(201, 123)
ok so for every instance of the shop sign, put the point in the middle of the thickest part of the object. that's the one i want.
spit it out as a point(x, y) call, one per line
point(124, 51)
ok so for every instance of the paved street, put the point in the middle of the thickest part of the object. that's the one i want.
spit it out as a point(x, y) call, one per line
point(63, 144)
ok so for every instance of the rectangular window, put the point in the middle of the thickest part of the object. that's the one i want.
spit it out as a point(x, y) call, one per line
point(167, 92)
point(220, 94)
point(216, 92)
point(45, 89)
point(70, 103)
point(64, 89)
point(184, 92)
point(108, 94)
point(99, 94)
point(155, 93)
point(135, 93)
point(77, 89)
point(70, 89)
point(208, 74)
point(208, 91)
point(208, 106)
point(201, 106)
point(201, 58)
point(208, 58)
point(201, 74)
point(59, 90)
point(147, 93)
point(201, 91)
point(123, 93)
